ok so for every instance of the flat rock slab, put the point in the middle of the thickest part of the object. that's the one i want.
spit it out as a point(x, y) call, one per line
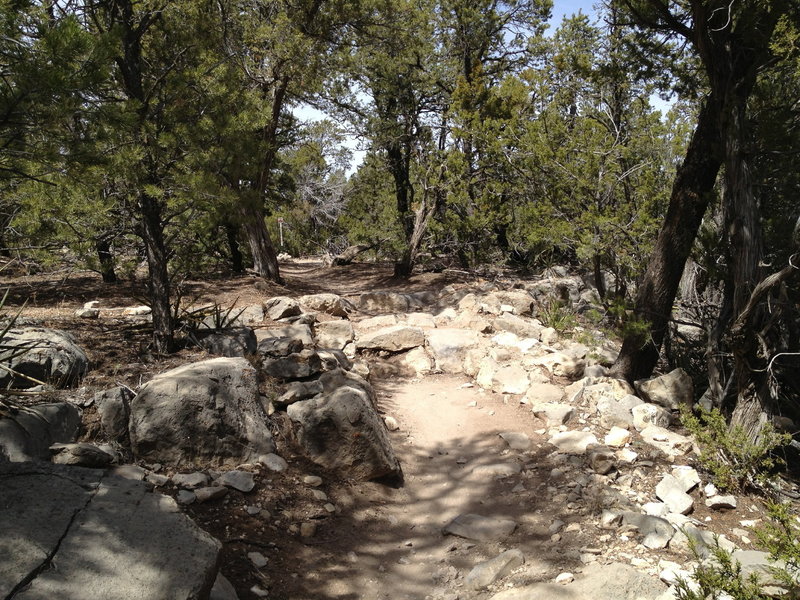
point(486, 573)
point(597, 582)
point(392, 339)
point(573, 442)
point(516, 440)
point(77, 534)
point(477, 527)
point(28, 433)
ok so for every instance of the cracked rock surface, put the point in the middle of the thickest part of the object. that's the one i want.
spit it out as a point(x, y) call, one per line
point(78, 534)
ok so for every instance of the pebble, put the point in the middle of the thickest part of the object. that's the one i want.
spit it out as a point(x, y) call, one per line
point(391, 423)
point(238, 480)
point(565, 578)
point(308, 529)
point(253, 510)
point(312, 480)
point(258, 559)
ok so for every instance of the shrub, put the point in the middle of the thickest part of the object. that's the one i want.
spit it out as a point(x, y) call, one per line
point(728, 454)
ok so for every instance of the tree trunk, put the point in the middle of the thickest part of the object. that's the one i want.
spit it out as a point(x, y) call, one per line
point(106, 259)
point(691, 194)
point(237, 260)
point(265, 260)
point(152, 231)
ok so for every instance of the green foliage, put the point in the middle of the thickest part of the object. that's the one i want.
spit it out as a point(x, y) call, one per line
point(726, 452)
point(558, 316)
point(780, 536)
point(717, 575)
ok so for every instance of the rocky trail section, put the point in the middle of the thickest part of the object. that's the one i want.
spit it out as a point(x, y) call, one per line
point(519, 469)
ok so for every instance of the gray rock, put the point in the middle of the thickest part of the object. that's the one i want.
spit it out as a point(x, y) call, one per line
point(516, 440)
point(380, 302)
point(238, 480)
point(720, 502)
point(544, 393)
point(301, 333)
point(520, 300)
point(281, 307)
point(617, 412)
point(610, 519)
point(597, 582)
point(449, 347)
point(647, 524)
point(392, 339)
point(486, 573)
point(673, 390)
point(46, 355)
point(214, 492)
point(134, 472)
point(190, 481)
point(334, 359)
point(209, 411)
point(762, 566)
point(334, 334)
point(258, 559)
point(279, 346)
point(223, 589)
point(687, 476)
point(573, 442)
point(233, 342)
point(80, 454)
point(113, 406)
point(645, 415)
point(497, 470)
point(330, 304)
point(299, 390)
point(524, 328)
point(562, 365)
point(73, 534)
point(185, 497)
point(342, 429)
point(482, 529)
point(273, 462)
point(27, 433)
point(670, 491)
point(294, 366)
point(689, 540)
point(670, 443)
point(553, 414)
point(510, 379)
point(601, 459)
point(87, 313)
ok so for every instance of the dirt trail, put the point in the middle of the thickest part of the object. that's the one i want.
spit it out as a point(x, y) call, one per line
point(390, 544)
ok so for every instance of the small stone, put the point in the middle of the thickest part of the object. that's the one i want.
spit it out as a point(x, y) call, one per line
point(253, 511)
point(720, 502)
point(610, 519)
point(486, 573)
point(329, 507)
point(258, 559)
point(185, 497)
point(617, 437)
point(204, 494)
point(273, 462)
point(710, 490)
point(259, 591)
point(190, 481)
point(565, 578)
point(308, 529)
point(391, 423)
point(655, 509)
point(319, 495)
point(238, 480)
point(132, 472)
point(477, 527)
point(312, 480)
point(573, 442)
point(157, 479)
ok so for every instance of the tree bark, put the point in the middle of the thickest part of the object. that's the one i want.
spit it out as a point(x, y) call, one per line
point(105, 257)
point(265, 260)
point(691, 194)
point(237, 260)
point(152, 231)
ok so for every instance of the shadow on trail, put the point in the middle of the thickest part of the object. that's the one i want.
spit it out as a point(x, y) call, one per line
point(388, 543)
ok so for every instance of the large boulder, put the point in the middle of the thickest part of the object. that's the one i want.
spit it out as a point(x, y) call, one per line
point(385, 302)
point(75, 534)
point(113, 406)
point(27, 433)
point(672, 391)
point(41, 354)
point(208, 411)
point(281, 307)
point(341, 429)
point(294, 366)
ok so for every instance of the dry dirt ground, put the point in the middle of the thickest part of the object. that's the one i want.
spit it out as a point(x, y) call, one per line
point(372, 541)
